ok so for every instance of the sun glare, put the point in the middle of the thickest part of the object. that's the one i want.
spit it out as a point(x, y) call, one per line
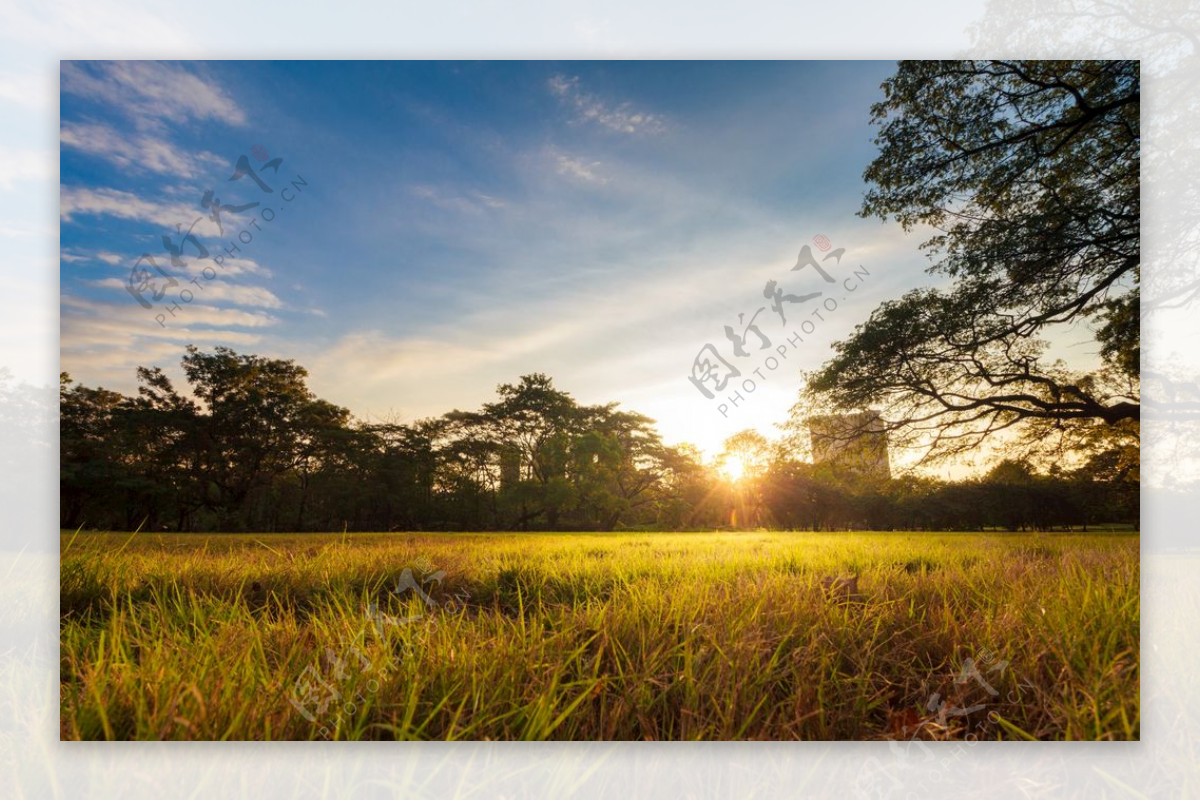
point(733, 468)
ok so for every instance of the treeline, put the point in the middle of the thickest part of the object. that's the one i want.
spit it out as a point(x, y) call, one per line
point(250, 448)
point(253, 449)
point(1105, 490)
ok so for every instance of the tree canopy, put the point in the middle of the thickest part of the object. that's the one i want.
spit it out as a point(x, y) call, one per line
point(1025, 177)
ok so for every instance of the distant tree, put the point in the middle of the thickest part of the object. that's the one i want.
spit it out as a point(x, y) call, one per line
point(327, 463)
point(1106, 488)
point(615, 466)
point(1008, 497)
point(95, 457)
point(789, 494)
point(535, 422)
point(685, 497)
point(407, 467)
point(749, 449)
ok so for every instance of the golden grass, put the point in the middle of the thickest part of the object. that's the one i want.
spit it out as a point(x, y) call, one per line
point(599, 636)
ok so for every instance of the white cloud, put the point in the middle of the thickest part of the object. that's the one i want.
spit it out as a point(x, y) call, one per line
point(233, 266)
point(590, 108)
point(175, 216)
point(128, 206)
point(139, 151)
point(577, 168)
point(470, 201)
point(102, 343)
point(220, 291)
point(229, 266)
point(215, 290)
point(150, 92)
point(76, 257)
point(132, 317)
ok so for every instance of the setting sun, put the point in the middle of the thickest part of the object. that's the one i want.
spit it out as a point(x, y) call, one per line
point(733, 468)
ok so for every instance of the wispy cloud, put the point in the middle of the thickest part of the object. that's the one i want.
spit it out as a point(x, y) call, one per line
point(577, 168)
point(151, 93)
point(611, 334)
point(588, 107)
point(234, 266)
point(135, 319)
point(101, 201)
point(230, 267)
point(470, 201)
point(216, 291)
point(84, 257)
point(137, 152)
point(103, 343)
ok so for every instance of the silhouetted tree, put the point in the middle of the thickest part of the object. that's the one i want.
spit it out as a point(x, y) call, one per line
point(1028, 172)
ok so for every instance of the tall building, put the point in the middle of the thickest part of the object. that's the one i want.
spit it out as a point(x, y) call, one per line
point(510, 467)
point(856, 442)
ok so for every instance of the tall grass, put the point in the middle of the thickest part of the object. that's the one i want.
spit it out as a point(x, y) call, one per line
point(599, 636)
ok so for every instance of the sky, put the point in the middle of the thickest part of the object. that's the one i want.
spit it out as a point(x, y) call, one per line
point(416, 233)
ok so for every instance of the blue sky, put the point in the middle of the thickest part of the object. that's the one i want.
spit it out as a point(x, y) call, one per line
point(454, 225)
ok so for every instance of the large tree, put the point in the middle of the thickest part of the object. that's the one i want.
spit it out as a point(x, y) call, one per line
point(253, 419)
point(1025, 175)
point(97, 453)
point(551, 461)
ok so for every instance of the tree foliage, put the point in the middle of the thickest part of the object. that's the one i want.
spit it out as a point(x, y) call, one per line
point(1026, 176)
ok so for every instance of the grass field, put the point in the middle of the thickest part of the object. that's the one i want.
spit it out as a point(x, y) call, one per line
point(599, 636)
